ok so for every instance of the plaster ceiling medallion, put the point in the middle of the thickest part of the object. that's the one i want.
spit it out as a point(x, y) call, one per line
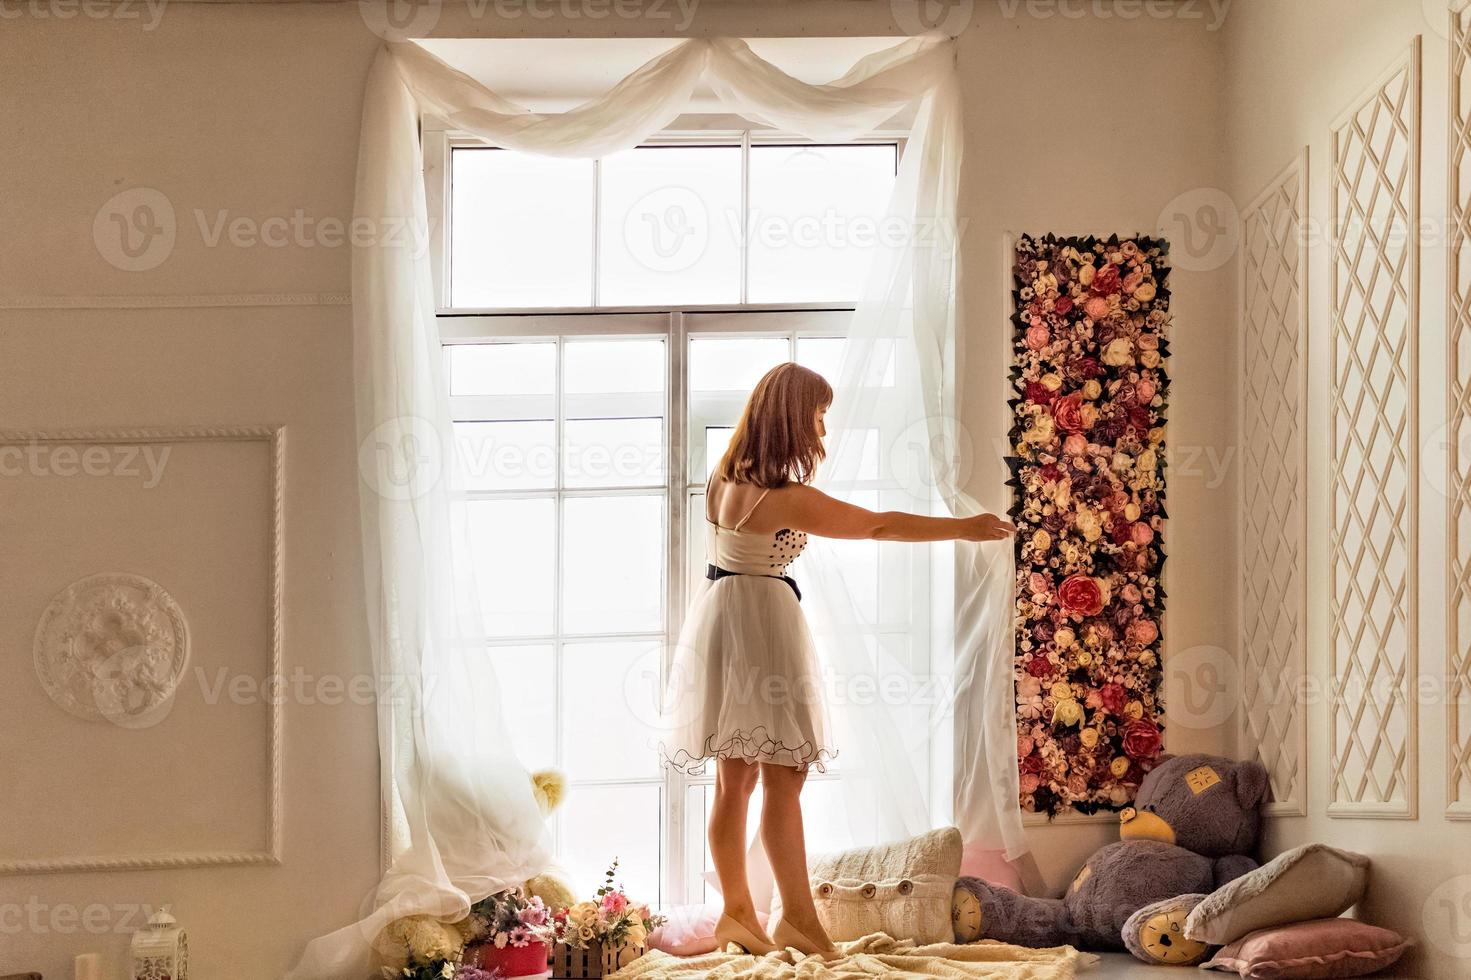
point(113, 647)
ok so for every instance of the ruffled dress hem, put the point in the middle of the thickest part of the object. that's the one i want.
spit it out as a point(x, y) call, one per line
point(753, 746)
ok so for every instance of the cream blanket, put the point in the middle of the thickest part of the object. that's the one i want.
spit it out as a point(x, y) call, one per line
point(875, 955)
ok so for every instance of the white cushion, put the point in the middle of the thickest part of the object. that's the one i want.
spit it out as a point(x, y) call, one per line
point(1313, 881)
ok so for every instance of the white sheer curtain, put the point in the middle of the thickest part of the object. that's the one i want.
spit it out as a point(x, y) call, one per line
point(466, 822)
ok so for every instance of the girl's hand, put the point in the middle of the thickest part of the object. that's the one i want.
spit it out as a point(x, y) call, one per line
point(986, 527)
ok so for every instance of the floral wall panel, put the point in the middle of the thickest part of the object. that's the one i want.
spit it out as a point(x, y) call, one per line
point(1088, 437)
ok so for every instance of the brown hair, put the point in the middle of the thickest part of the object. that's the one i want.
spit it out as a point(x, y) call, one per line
point(776, 440)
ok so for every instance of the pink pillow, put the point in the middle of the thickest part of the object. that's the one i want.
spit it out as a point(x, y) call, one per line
point(1310, 950)
point(689, 930)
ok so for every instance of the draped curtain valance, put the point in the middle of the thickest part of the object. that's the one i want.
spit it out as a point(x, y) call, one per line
point(467, 824)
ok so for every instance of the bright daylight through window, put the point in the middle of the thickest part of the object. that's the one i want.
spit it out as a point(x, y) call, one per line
point(604, 321)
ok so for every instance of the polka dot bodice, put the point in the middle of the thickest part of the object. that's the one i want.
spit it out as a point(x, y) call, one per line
point(753, 552)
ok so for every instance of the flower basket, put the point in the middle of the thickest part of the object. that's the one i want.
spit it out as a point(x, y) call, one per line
point(616, 957)
point(573, 963)
point(512, 961)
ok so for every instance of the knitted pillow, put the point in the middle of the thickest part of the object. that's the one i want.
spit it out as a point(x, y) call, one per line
point(903, 889)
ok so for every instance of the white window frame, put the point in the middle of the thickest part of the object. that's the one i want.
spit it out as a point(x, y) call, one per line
point(682, 832)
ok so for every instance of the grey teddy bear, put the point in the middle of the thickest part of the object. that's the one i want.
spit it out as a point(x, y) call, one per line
point(1192, 828)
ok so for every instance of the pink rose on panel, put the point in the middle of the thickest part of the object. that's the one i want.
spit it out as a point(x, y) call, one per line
point(1081, 596)
point(1141, 740)
point(1068, 411)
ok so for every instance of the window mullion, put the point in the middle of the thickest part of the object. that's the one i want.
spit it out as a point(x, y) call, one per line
point(744, 239)
point(558, 710)
point(676, 471)
point(597, 231)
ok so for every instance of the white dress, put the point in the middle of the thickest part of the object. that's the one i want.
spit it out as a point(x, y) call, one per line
point(746, 683)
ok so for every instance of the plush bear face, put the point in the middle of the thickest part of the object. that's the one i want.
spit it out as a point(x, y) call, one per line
point(1203, 803)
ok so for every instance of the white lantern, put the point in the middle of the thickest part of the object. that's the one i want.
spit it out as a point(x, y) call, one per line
point(161, 951)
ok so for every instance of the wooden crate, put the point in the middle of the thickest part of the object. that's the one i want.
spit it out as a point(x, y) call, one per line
point(571, 963)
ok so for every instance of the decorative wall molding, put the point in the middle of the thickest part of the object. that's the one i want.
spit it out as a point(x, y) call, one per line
point(1458, 424)
point(274, 436)
point(112, 647)
point(1374, 449)
point(1273, 424)
point(164, 302)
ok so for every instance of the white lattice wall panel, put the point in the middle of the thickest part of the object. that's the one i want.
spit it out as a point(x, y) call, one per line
point(1458, 428)
point(1373, 437)
point(1273, 520)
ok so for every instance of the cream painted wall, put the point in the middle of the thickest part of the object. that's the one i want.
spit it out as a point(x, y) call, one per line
point(1074, 125)
point(1291, 69)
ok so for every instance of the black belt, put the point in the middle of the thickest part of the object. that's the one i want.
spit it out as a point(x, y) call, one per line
point(715, 573)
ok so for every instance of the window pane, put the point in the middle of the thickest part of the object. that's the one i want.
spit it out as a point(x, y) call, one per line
point(696, 545)
point(817, 213)
point(717, 441)
point(525, 677)
point(734, 363)
point(609, 709)
point(614, 452)
point(596, 367)
point(600, 823)
point(669, 226)
point(858, 562)
point(840, 473)
point(698, 801)
point(830, 824)
point(507, 455)
point(613, 564)
point(503, 369)
point(521, 229)
point(825, 356)
point(514, 547)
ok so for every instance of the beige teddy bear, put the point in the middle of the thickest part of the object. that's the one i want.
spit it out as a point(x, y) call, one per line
point(549, 787)
point(418, 939)
point(425, 939)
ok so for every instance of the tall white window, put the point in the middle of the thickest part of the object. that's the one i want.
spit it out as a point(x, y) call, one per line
point(603, 322)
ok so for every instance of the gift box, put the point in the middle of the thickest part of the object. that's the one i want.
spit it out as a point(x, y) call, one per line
point(512, 961)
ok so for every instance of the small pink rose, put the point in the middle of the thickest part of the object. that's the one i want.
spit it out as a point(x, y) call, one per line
point(1077, 784)
point(1147, 341)
point(1142, 533)
point(1114, 697)
point(1037, 582)
point(1132, 280)
point(1029, 782)
point(1068, 411)
point(1024, 746)
point(1144, 391)
point(1143, 632)
point(1096, 307)
point(1130, 593)
point(1038, 337)
point(1075, 444)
